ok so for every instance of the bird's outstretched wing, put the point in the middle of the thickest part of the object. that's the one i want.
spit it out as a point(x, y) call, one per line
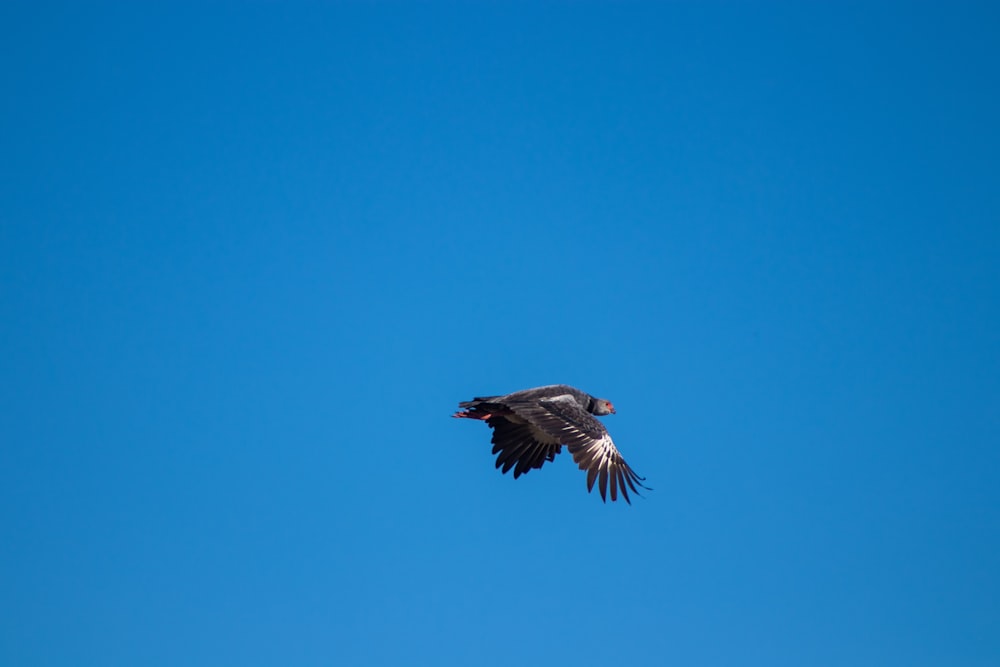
point(520, 446)
point(565, 420)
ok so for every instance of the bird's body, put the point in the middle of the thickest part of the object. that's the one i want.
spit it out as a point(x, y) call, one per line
point(531, 426)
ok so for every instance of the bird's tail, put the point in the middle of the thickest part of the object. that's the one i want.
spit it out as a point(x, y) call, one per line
point(477, 408)
point(477, 400)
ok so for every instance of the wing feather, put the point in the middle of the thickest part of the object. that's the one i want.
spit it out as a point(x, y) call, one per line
point(564, 419)
point(517, 446)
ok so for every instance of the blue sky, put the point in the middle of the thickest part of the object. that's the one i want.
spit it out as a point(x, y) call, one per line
point(252, 256)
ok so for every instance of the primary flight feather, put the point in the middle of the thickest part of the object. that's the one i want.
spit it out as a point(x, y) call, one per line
point(531, 426)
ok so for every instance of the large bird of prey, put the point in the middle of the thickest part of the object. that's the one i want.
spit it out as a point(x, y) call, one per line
point(531, 426)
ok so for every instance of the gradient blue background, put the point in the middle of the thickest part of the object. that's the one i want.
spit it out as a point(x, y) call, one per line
point(253, 255)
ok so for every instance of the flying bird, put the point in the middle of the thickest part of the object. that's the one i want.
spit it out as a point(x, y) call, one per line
point(531, 426)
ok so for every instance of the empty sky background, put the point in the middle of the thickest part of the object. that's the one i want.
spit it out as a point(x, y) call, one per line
point(252, 256)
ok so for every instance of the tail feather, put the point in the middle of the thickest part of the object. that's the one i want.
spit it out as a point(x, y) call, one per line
point(478, 408)
point(477, 400)
point(472, 414)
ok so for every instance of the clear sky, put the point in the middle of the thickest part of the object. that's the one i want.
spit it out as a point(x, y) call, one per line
point(253, 255)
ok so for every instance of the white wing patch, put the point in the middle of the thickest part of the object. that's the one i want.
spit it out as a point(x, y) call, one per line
point(604, 464)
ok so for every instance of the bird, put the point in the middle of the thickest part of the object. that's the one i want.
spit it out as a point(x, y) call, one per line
point(531, 426)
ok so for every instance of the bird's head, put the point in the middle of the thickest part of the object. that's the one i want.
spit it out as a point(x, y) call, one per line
point(603, 407)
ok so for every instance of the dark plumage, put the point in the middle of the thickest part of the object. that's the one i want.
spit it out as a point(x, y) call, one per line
point(531, 426)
